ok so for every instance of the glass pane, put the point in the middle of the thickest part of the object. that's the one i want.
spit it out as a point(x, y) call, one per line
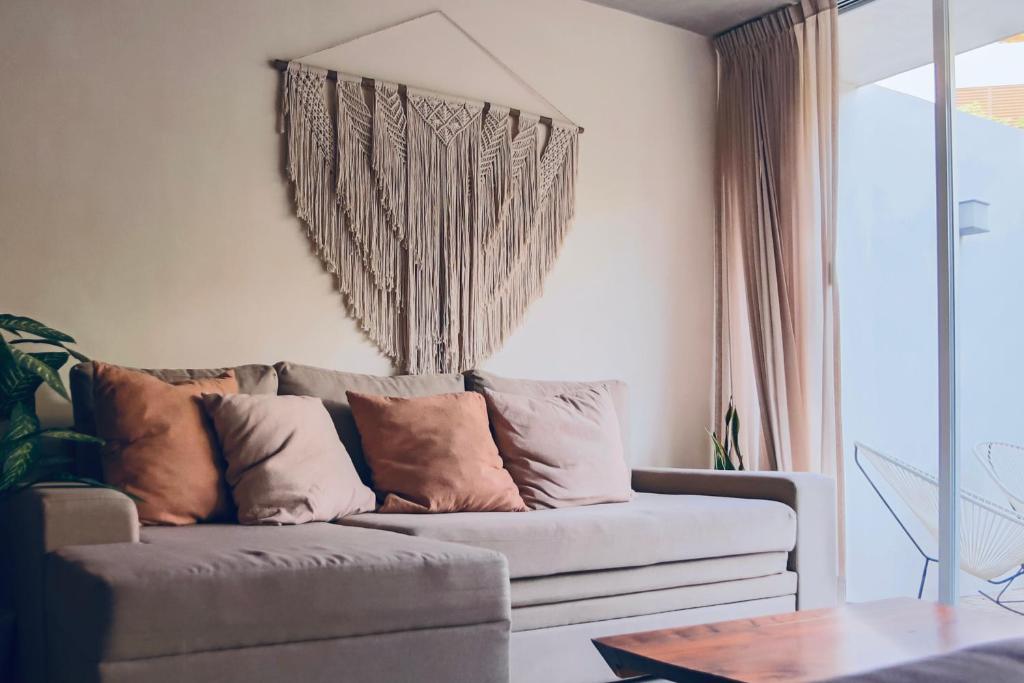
point(988, 129)
point(886, 262)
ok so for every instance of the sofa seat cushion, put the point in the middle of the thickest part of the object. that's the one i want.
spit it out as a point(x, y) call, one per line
point(649, 529)
point(544, 590)
point(214, 587)
point(653, 602)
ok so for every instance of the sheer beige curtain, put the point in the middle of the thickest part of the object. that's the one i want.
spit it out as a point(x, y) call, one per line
point(777, 346)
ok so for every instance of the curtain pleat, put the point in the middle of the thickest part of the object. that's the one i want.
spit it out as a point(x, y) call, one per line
point(776, 307)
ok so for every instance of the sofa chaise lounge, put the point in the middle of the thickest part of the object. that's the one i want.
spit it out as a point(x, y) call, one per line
point(475, 597)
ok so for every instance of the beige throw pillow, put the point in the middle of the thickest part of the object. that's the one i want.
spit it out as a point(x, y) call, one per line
point(285, 464)
point(561, 450)
point(480, 381)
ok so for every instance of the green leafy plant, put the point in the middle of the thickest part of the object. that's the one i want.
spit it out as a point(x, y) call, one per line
point(23, 460)
point(728, 446)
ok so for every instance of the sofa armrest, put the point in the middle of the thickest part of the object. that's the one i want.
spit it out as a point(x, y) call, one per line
point(35, 522)
point(50, 516)
point(812, 497)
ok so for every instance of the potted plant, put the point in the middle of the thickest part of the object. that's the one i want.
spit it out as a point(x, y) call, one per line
point(23, 460)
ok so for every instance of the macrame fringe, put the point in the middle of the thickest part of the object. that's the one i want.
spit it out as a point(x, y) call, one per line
point(532, 247)
point(444, 152)
point(311, 167)
point(389, 154)
point(439, 225)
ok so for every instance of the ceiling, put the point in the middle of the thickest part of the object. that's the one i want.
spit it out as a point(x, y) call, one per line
point(707, 17)
point(879, 39)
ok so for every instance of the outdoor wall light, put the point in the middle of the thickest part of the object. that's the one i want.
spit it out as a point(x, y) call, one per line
point(973, 217)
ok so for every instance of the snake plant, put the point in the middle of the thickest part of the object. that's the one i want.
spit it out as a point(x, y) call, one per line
point(725, 447)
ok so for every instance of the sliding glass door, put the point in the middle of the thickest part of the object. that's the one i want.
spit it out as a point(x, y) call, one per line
point(886, 259)
point(931, 228)
point(988, 159)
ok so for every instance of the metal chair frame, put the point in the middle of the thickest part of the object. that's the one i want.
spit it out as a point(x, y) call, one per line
point(983, 452)
point(1003, 583)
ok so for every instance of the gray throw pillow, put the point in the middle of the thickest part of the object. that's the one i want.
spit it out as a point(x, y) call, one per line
point(285, 464)
point(331, 386)
point(562, 450)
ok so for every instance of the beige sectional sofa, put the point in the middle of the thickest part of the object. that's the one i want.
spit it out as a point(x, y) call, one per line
point(475, 597)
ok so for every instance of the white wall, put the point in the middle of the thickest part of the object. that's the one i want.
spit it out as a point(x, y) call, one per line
point(886, 259)
point(143, 208)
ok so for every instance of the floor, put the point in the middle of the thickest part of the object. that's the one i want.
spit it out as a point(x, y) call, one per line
point(976, 601)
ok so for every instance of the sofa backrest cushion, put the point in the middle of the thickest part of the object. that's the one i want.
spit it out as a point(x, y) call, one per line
point(330, 386)
point(478, 380)
point(252, 379)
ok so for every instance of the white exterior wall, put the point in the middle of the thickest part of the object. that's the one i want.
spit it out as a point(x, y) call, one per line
point(887, 279)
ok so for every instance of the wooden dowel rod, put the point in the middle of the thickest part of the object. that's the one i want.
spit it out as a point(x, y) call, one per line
point(282, 65)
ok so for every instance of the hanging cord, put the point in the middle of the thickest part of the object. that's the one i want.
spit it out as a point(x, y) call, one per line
point(282, 65)
point(508, 69)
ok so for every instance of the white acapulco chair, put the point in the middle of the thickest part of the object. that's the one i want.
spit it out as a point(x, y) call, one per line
point(1004, 464)
point(991, 536)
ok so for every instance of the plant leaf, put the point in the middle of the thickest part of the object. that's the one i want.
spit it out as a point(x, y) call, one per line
point(16, 461)
point(736, 436)
point(56, 459)
point(81, 357)
point(21, 386)
point(55, 359)
point(23, 423)
point(722, 461)
point(715, 443)
point(57, 434)
point(9, 371)
point(49, 468)
point(33, 364)
point(50, 465)
point(70, 435)
point(78, 355)
point(16, 324)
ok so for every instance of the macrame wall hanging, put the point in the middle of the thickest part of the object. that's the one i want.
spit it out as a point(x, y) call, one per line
point(439, 217)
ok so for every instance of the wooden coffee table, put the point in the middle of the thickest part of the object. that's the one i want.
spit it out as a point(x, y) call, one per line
point(806, 646)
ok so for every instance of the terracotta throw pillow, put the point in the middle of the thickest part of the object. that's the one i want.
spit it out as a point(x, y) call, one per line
point(160, 444)
point(562, 450)
point(285, 464)
point(433, 454)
